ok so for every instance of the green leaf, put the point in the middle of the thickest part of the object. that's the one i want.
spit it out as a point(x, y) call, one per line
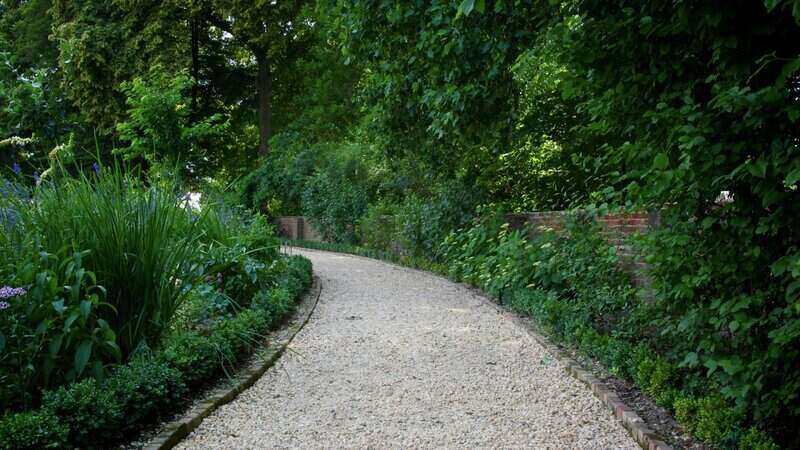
point(466, 7)
point(55, 345)
point(661, 161)
point(733, 326)
point(82, 354)
point(86, 308)
point(793, 177)
point(690, 360)
point(758, 168)
point(70, 320)
point(58, 305)
point(708, 222)
point(793, 291)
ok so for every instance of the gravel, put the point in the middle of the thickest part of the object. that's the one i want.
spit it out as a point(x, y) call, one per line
point(394, 357)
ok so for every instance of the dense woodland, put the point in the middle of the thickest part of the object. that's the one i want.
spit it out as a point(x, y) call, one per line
point(419, 123)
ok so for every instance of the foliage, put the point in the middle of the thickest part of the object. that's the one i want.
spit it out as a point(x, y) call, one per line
point(425, 222)
point(437, 82)
point(378, 228)
point(32, 430)
point(336, 196)
point(34, 117)
point(98, 414)
point(139, 243)
point(53, 331)
point(276, 187)
point(579, 292)
point(159, 125)
point(102, 45)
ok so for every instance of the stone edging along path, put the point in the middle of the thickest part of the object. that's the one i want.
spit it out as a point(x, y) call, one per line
point(633, 423)
point(175, 431)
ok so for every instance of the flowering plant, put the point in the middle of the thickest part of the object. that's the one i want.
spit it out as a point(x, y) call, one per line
point(51, 331)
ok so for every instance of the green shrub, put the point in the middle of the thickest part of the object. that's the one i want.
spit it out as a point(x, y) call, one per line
point(276, 187)
point(709, 418)
point(32, 430)
point(194, 356)
point(140, 245)
point(573, 284)
point(93, 414)
point(334, 205)
point(52, 332)
point(148, 390)
point(425, 221)
point(755, 439)
point(377, 228)
point(159, 122)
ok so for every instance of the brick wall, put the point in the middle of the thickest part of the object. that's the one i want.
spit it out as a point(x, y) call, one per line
point(297, 228)
point(617, 228)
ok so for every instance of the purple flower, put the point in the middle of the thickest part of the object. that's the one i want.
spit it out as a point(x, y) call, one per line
point(36, 178)
point(96, 168)
point(8, 292)
point(4, 305)
point(16, 169)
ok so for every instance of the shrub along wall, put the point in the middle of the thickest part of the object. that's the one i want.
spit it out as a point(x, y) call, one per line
point(616, 227)
point(572, 282)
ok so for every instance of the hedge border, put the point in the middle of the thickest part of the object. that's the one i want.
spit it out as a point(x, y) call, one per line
point(639, 430)
point(177, 430)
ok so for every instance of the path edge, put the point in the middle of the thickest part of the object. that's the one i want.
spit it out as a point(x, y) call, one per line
point(177, 430)
point(645, 436)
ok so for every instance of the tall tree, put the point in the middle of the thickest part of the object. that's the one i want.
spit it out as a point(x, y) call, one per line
point(274, 32)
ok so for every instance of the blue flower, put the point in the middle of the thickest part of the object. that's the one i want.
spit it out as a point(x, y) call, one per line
point(4, 305)
point(16, 169)
point(36, 178)
point(96, 168)
point(8, 292)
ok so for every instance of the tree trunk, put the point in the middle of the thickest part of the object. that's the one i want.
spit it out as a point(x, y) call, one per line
point(264, 104)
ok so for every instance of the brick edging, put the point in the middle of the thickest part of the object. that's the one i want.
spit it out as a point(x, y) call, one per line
point(636, 426)
point(174, 432)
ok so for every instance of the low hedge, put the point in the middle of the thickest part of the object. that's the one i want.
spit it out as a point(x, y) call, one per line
point(151, 387)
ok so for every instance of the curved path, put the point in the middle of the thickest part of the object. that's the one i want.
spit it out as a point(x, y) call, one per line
point(395, 358)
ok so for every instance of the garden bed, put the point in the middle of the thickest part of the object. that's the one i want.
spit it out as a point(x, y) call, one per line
point(121, 302)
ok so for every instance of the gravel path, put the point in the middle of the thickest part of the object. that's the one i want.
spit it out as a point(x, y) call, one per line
point(400, 358)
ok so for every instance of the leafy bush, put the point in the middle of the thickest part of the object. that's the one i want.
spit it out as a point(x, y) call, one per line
point(334, 205)
point(425, 222)
point(33, 430)
point(148, 390)
point(276, 187)
point(139, 244)
point(159, 124)
point(98, 414)
point(573, 284)
point(92, 414)
point(739, 331)
point(377, 228)
point(52, 331)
